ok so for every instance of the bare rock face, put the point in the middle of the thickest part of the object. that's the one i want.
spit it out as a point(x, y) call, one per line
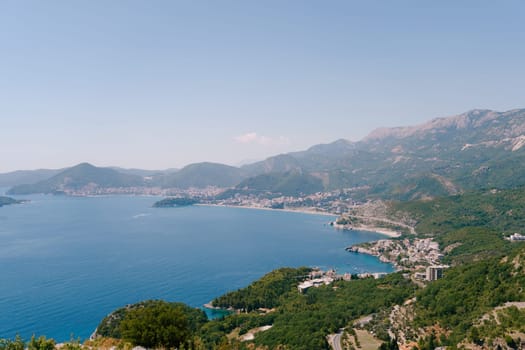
point(492, 123)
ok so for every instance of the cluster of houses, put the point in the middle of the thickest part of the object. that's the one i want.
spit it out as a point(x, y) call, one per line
point(319, 277)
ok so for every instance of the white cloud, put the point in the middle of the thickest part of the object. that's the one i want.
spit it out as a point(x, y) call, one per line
point(252, 137)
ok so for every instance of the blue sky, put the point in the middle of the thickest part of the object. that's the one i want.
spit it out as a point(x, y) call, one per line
point(159, 84)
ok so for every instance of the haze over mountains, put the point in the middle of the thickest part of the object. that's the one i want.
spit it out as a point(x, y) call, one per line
point(479, 148)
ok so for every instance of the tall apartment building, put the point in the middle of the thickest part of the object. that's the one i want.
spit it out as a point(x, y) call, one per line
point(435, 272)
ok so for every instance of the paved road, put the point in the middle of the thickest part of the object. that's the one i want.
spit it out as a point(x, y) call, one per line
point(336, 341)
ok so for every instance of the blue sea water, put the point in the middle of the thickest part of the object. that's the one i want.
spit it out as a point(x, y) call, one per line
point(66, 262)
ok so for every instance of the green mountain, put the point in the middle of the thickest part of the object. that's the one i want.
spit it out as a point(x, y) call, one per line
point(202, 175)
point(292, 183)
point(476, 149)
point(80, 177)
point(278, 164)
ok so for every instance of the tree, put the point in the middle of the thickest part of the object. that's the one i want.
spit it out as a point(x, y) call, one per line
point(8, 344)
point(390, 345)
point(159, 324)
point(41, 343)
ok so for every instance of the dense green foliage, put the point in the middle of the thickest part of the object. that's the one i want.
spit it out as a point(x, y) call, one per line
point(157, 325)
point(499, 324)
point(391, 344)
point(417, 187)
point(474, 243)
point(472, 225)
point(302, 321)
point(468, 291)
point(265, 292)
point(12, 344)
point(502, 210)
point(40, 343)
point(203, 175)
point(174, 202)
point(153, 323)
point(299, 321)
point(288, 184)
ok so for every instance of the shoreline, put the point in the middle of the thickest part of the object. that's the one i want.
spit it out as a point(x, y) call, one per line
point(367, 228)
point(302, 211)
point(375, 229)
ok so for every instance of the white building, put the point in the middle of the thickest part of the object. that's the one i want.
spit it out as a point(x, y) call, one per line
point(517, 237)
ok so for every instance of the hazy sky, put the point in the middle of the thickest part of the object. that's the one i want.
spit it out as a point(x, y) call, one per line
point(158, 84)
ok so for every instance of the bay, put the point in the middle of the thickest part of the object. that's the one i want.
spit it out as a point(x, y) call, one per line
point(66, 262)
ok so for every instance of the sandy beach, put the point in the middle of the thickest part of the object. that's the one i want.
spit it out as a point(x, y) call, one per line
point(302, 211)
point(369, 228)
point(383, 231)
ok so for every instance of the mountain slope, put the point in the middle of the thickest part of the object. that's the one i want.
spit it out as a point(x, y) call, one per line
point(288, 184)
point(476, 149)
point(80, 177)
point(202, 175)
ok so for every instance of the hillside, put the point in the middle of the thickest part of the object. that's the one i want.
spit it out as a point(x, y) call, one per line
point(80, 177)
point(21, 177)
point(291, 183)
point(476, 149)
point(202, 175)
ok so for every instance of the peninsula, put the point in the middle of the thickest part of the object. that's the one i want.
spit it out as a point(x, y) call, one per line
point(175, 202)
point(9, 201)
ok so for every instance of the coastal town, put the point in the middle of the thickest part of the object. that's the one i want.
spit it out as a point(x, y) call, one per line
point(318, 278)
point(405, 254)
point(332, 202)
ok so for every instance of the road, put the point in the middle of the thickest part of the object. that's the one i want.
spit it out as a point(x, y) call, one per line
point(336, 341)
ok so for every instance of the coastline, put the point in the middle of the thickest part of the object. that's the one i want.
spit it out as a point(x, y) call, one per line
point(302, 211)
point(369, 228)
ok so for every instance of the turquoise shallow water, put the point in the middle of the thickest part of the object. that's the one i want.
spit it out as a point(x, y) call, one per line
point(66, 262)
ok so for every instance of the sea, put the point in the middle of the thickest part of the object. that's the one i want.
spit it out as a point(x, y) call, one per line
point(66, 262)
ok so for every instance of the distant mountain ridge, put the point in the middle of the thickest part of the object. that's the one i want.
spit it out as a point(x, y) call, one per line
point(472, 150)
point(83, 176)
point(477, 118)
point(479, 148)
point(20, 177)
